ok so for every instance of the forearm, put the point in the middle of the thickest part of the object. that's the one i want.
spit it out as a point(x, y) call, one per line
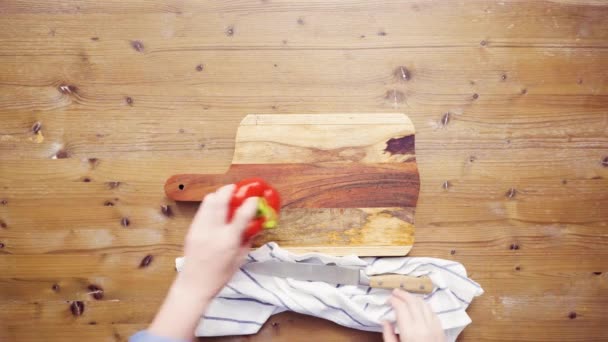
point(182, 309)
point(214, 250)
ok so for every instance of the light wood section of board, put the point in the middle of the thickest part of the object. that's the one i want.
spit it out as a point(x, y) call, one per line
point(509, 99)
point(269, 139)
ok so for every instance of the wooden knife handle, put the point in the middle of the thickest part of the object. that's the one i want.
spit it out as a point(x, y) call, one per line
point(399, 281)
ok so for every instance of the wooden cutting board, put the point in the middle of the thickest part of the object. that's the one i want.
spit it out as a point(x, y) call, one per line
point(349, 182)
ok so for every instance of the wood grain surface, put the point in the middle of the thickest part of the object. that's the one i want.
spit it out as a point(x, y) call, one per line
point(102, 101)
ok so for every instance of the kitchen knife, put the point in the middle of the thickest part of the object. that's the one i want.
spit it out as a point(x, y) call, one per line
point(340, 275)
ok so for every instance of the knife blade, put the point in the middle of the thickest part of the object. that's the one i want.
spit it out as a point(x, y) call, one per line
point(340, 275)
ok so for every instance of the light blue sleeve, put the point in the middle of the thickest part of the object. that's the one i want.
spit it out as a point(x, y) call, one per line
point(144, 336)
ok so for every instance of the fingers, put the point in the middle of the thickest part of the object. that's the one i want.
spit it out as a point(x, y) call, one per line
point(429, 315)
point(214, 209)
point(245, 213)
point(223, 196)
point(405, 318)
point(415, 318)
point(243, 251)
point(388, 333)
point(415, 305)
point(418, 307)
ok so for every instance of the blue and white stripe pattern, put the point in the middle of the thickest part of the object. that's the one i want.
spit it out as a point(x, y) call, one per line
point(249, 299)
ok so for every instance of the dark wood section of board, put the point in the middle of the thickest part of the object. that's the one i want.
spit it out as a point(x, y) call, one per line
point(322, 185)
point(102, 101)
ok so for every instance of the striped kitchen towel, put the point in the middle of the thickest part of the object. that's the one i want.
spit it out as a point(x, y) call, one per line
point(247, 301)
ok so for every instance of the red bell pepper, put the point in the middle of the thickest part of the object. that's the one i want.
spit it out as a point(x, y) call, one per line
point(269, 205)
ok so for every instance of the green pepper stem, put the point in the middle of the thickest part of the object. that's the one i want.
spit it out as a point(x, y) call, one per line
point(268, 213)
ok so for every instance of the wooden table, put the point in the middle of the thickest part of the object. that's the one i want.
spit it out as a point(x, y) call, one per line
point(100, 101)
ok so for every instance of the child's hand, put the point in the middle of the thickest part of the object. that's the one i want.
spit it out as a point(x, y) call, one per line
point(213, 247)
point(416, 321)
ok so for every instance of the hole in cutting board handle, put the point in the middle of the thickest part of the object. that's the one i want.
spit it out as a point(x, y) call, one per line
point(181, 186)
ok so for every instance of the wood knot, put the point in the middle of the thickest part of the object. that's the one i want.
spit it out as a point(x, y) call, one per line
point(445, 119)
point(113, 185)
point(4, 202)
point(446, 185)
point(36, 127)
point(2, 245)
point(475, 96)
point(95, 291)
point(230, 31)
point(68, 89)
point(402, 145)
point(199, 68)
point(483, 43)
point(55, 287)
point(597, 273)
point(524, 91)
point(301, 21)
point(137, 45)
point(503, 77)
point(511, 193)
point(108, 204)
point(452, 252)
point(572, 315)
point(381, 33)
point(146, 261)
point(77, 308)
point(402, 73)
point(605, 162)
point(86, 179)
point(62, 154)
point(166, 210)
point(514, 247)
point(125, 222)
point(518, 268)
point(3, 224)
point(129, 101)
point(93, 162)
